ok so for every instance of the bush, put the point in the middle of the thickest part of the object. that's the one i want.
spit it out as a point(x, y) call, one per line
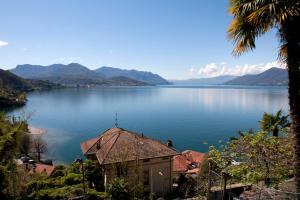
point(58, 193)
point(93, 174)
point(57, 173)
point(118, 189)
point(73, 179)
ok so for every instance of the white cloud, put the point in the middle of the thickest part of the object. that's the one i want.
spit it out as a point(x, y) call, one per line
point(2, 43)
point(192, 70)
point(220, 69)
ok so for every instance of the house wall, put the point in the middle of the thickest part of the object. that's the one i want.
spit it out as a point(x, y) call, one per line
point(155, 174)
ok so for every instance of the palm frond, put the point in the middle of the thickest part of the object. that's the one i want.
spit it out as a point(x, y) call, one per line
point(243, 34)
point(253, 18)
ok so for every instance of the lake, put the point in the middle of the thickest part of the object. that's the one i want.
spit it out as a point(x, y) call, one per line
point(192, 117)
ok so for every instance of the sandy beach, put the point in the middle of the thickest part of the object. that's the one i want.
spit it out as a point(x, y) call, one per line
point(36, 131)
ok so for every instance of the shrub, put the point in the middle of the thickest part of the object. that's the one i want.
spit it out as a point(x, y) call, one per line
point(72, 179)
point(118, 189)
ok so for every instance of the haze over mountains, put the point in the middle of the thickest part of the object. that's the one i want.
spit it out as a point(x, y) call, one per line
point(271, 77)
point(219, 80)
point(75, 73)
point(147, 77)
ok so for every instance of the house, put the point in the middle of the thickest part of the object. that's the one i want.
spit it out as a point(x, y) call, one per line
point(126, 154)
point(187, 163)
point(42, 168)
point(47, 169)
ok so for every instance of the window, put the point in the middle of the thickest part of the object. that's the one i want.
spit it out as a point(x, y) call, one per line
point(122, 171)
point(118, 171)
point(146, 177)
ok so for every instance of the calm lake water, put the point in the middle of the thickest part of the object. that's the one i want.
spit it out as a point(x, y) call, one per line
point(192, 117)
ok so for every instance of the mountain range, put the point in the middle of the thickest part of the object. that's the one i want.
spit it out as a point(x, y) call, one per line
point(147, 77)
point(76, 74)
point(271, 77)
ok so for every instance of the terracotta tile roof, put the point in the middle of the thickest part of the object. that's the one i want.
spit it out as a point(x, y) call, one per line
point(118, 145)
point(180, 163)
point(183, 163)
point(40, 168)
point(85, 146)
point(194, 156)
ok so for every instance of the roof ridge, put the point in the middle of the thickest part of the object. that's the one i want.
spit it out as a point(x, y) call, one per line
point(100, 136)
point(156, 140)
point(119, 133)
point(93, 144)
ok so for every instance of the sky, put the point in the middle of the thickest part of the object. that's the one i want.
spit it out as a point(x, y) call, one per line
point(178, 39)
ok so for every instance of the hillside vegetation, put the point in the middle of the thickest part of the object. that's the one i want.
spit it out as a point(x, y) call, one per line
point(13, 88)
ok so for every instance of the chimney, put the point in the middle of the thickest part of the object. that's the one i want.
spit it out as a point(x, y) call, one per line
point(98, 146)
point(169, 143)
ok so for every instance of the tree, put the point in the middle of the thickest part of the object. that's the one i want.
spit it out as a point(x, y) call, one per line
point(10, 133)
point(253, 18)
point(25, 143)
point(274, 123)
point(64, 183)
point(262, 158)
point(250, 158)
point(94, 175)
point(39, 146)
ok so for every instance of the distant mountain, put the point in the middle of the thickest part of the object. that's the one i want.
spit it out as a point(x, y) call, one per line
point(76, 74)
point(272, 77)
point(58, 73)
point(204, 81)
point(122, 80)
point(147, 77)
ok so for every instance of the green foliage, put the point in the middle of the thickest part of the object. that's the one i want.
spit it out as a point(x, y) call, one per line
point(274, 124)
point(13, 88)
point(57, 193)
point(65, 192)
point(261, 158)
point(94, 175)
point(252, 19)
point(64, 183)
point(10, 133)
point(251, 157)
point(118, 189)
point(72, 179)
point(3, 178)
point(58, 173)
point(10, 86)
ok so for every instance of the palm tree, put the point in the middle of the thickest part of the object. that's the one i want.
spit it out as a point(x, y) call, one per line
point(274, 123)
point(253, 18)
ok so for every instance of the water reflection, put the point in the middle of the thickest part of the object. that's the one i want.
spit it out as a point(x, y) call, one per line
point(188, 116)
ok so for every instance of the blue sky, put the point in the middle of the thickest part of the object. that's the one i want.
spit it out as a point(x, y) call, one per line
point(177, 39)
